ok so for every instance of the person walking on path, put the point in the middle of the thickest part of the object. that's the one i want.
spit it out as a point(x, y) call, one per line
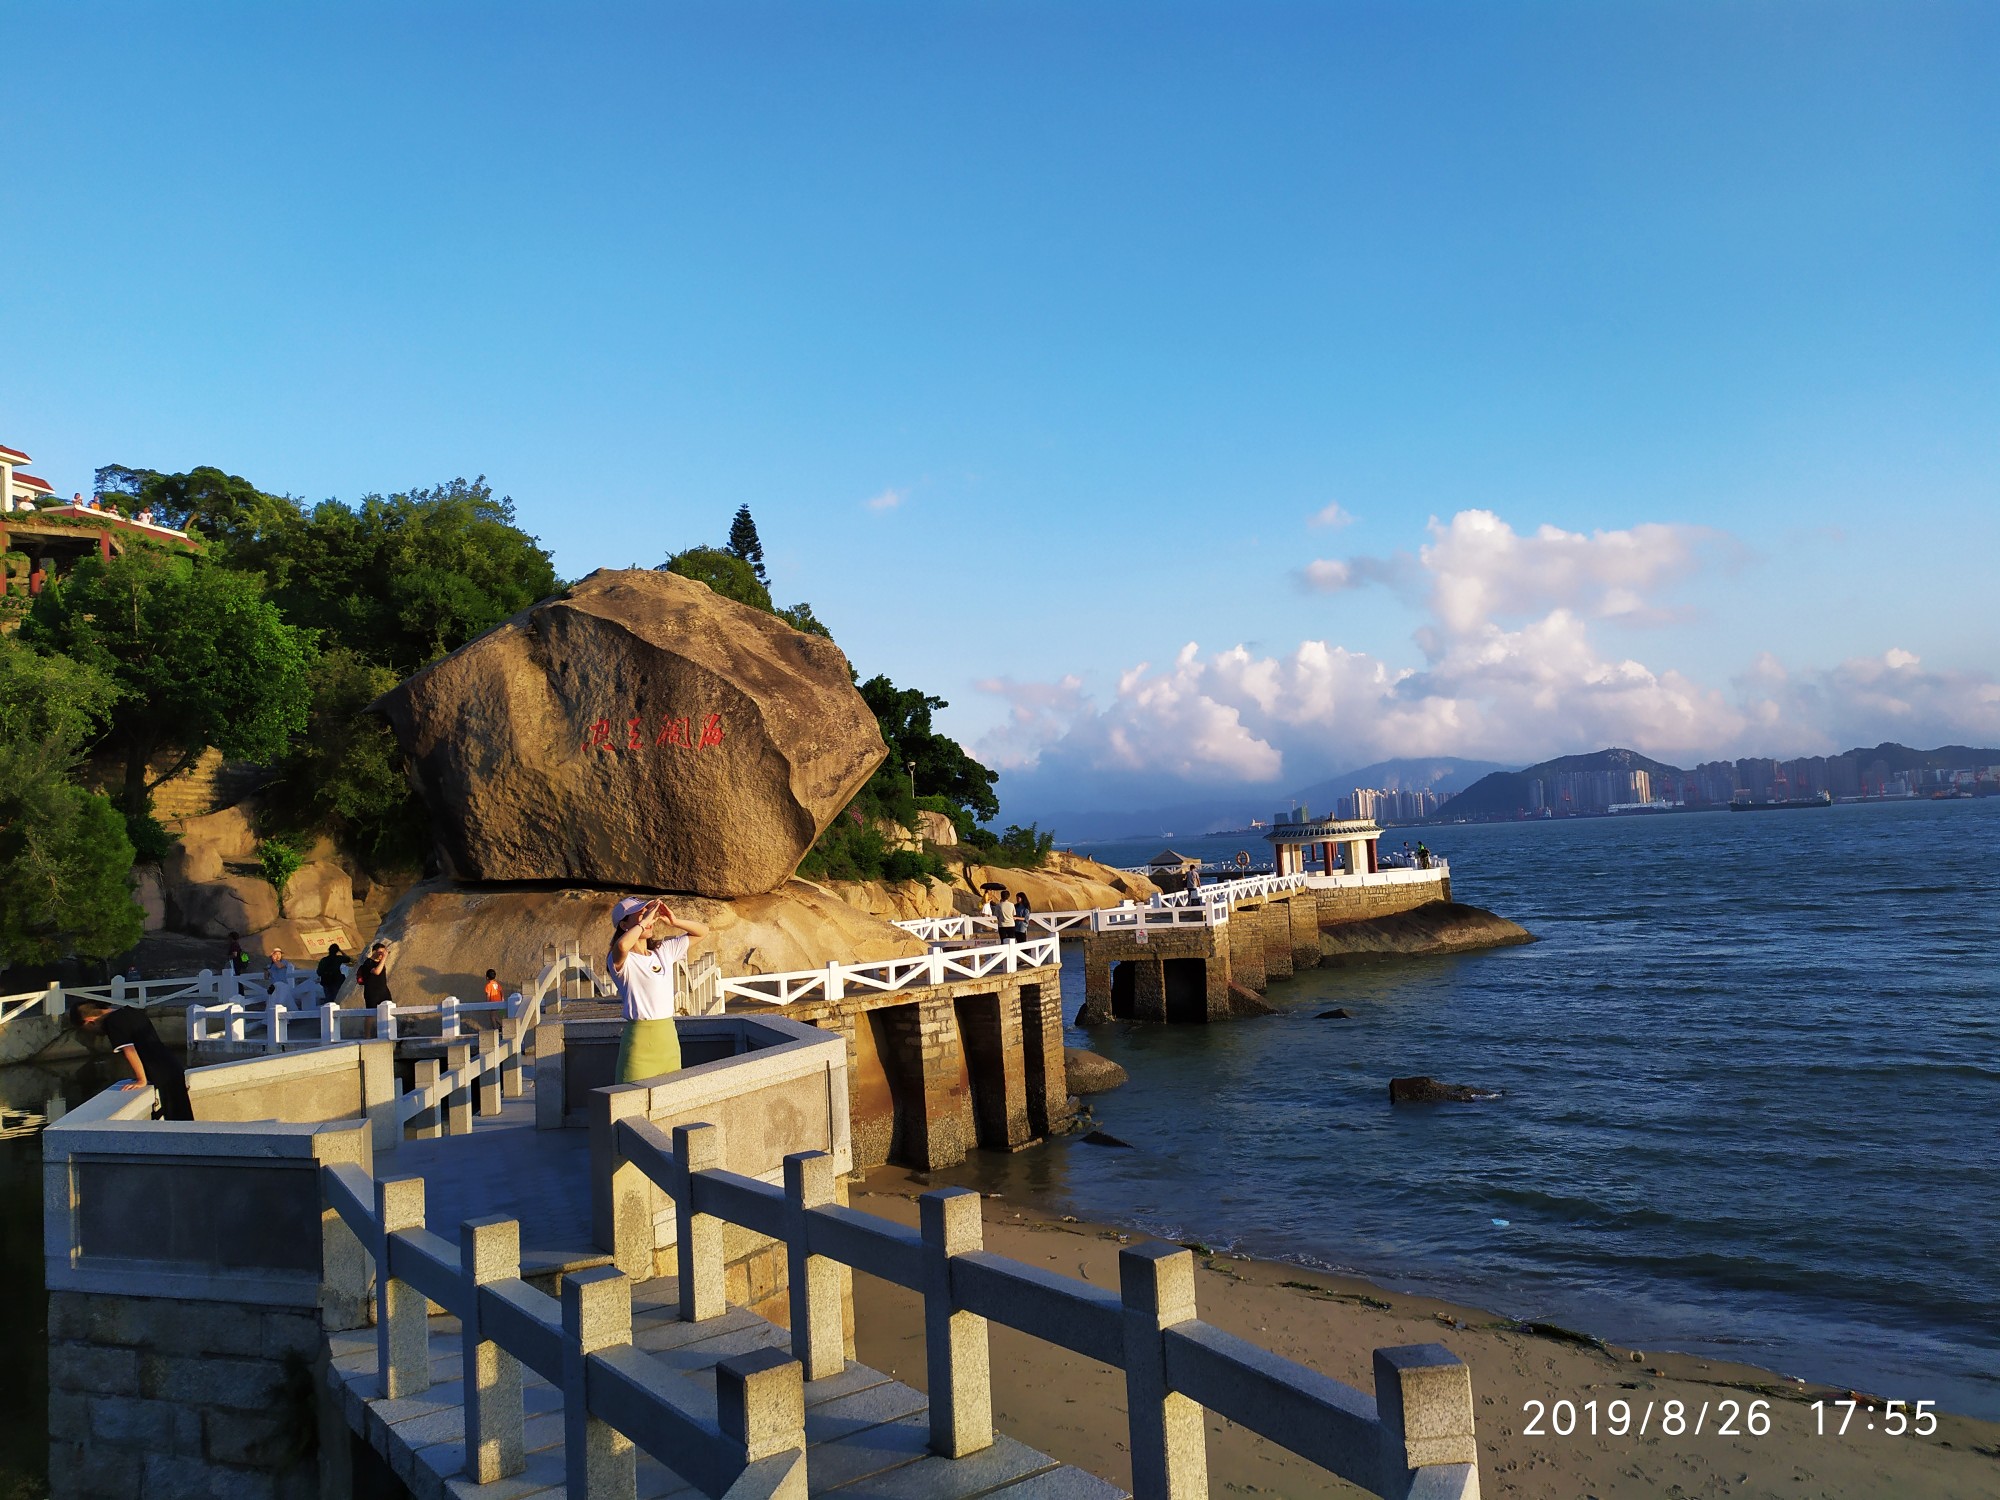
point(1021, 913)
point(1191, 878)
point(1003, 916)
point(1423, 855)
point(372, 976)
point(642, 961)
point(493, 994)
point(332, 971)
point(132, 1037)
point(280, 970)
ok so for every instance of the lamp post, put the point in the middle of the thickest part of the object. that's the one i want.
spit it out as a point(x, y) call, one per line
point(911, 767)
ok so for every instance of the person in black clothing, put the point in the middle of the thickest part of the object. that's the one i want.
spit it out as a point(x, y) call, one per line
point(331, 971)
point(373, 976)
point(132, 1037)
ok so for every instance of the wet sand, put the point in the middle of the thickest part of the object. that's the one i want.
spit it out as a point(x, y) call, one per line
point(1075, 1409)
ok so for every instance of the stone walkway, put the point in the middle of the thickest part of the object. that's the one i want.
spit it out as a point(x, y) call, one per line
point(506, 1166)
point(867, 1436)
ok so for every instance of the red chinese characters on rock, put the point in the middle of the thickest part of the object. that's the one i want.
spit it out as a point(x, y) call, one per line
point(639, 735)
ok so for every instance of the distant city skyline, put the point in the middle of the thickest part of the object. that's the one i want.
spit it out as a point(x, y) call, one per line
point(1197, 399)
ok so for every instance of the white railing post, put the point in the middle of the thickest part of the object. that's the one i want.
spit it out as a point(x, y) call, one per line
point(448, 1016)
point(1012, 956)
point(511, 1030)
point(458, 1103)
point(117, 989)
point(704, 1290)
point(425, 1123)
point(818, 1340)
point(490, 1250)
point(236, 1028)
point(955, 1346)
point(836, 987)
point(599, 1461)
point(274, 1026)
point(385, 1021)
point(1169, 1444)
point(492, 1047)
point(329, 1023)
point(402, 1314)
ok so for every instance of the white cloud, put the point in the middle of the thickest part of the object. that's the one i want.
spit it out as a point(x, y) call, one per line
point(888, 500)
point(1333, 516)
point(1510, 671)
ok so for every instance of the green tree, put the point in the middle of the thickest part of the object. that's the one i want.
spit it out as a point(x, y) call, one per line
point(65, 864)
point(50, 705)
point(344, 775)
point(226, 509)
point(279, 859)
point(800, 617)
point(401, 580)
point(937, 763)
point(744, 544)
point(64, 857)
point(199, 655)
point(724, 572)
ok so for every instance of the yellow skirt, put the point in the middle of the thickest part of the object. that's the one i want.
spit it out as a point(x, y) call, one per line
point(647, 1049)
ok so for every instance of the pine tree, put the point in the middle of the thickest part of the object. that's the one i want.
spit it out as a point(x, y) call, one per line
point(743, 543)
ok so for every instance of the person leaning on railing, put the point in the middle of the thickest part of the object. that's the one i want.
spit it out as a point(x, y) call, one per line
point(642, 962)
point(132, 1037)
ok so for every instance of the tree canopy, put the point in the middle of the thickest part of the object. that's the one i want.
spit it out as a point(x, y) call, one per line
point(64, 855)
point(199, 657)
point(744, 544)
point(725, 573)
point(941, 766)
point(401, 580)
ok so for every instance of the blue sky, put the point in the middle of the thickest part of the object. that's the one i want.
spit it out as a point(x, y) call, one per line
point(1099, 305)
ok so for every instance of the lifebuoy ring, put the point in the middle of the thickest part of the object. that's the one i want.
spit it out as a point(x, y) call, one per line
point(1242, 859)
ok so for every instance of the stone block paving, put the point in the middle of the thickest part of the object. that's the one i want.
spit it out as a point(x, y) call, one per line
point(867, 1436)
point(505, 1166)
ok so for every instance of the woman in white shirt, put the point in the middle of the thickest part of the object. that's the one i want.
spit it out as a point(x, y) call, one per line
point(641, 962)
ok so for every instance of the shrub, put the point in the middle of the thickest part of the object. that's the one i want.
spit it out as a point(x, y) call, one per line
point(280, 861)
point(150, 839)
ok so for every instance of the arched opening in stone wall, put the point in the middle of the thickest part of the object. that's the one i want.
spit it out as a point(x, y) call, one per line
point(1124, 981)
point(983, 1039)
point(1034, 1059)
point(887, 1100)
point(1187, 989)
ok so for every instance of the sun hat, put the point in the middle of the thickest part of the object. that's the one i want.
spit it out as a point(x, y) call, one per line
point(631, 906)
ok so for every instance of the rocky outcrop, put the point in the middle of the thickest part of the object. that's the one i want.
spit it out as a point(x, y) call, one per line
point(1066, 883)
point(896, 900)
point(1438, 927)
point(445, 936)
point(937, 829)
point(1426, 1090)
point(1088, 1073)
point(636, 731)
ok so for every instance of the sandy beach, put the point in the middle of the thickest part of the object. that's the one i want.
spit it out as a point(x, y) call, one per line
point(1075, 1409)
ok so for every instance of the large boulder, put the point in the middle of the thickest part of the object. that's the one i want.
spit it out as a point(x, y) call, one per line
point(321, 890)
point(444, 936)
point(1066, 883)
point(897, 900)
point(936, 828)
point(637, 730)
point(241, 904)
point(1435, 927)
point(205, 844)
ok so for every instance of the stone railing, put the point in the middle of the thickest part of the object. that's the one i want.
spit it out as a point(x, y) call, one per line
point(1413, 1437)
point(746, 1440)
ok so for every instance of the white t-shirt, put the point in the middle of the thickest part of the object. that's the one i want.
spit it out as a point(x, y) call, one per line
point(646, 981)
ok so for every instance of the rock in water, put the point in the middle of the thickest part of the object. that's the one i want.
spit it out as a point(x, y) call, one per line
point(637, 730)
point(1090, 1074)
point(1105, 1138)
point(1422, 1090)
point(1341, 1014)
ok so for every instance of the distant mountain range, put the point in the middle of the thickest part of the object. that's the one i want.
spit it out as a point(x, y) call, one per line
point(1510, 794)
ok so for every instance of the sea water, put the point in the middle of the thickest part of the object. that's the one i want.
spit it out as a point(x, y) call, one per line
point(1749, 1100)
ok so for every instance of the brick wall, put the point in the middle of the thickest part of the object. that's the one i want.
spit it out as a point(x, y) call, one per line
point(1336, 905)
point(153, 1396)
